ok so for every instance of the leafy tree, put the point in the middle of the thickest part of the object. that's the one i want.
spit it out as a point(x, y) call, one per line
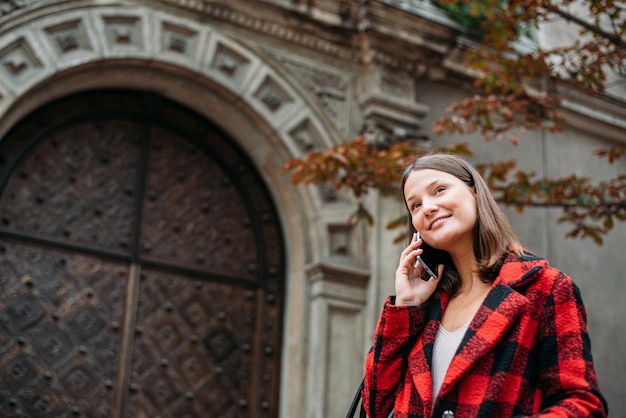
point(508, 99)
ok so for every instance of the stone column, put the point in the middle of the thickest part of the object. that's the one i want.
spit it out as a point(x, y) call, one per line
point(335, 353)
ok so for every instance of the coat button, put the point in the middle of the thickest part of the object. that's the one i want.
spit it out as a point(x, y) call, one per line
point(447, 414)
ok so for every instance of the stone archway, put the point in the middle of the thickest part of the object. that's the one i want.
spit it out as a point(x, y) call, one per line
point(142, 265)
point(47, 53)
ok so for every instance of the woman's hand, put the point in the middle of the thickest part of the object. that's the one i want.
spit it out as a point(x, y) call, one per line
point(410, 288)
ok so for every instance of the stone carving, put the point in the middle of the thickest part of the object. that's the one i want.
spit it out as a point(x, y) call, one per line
point(19, 61)
point(330, 88)
point(122, 35)
point(177, 44)
point(122, 31)
point(68, 37)
point(390, 111)
point(340, 240)
point(224, 14)
point(9, 6)
point(329, 192)
point(272, 95)
point(382, 131)
point(229, 62)
point(178, 40)
point(67, 41)
point(16, 64)
point(400, 88)
point(305, 137)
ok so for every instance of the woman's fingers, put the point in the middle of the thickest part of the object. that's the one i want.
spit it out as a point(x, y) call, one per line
point(440, 268)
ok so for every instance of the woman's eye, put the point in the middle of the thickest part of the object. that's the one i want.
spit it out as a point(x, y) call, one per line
point(416, 206)
point(439, 189)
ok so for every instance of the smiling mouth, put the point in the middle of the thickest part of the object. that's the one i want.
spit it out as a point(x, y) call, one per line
point(436, 221)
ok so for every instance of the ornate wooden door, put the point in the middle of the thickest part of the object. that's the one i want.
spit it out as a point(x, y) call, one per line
point(141, 266)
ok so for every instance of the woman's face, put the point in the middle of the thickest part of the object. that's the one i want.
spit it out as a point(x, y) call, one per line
point(443, 209)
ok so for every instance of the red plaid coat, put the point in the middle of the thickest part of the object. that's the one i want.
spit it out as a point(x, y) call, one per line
point(526, 352)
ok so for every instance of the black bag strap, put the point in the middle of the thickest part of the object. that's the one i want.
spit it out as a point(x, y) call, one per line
point(355, 403)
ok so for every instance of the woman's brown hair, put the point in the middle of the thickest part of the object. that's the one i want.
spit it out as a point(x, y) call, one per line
point(494, 236)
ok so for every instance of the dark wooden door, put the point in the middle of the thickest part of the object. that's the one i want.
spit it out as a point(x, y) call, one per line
point(141, 266)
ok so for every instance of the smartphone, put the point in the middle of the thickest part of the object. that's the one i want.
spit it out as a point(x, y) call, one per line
point(418, 259)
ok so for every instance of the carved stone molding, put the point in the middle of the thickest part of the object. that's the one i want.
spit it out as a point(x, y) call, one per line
point(384, 125)
point(18, 61)
point(390, 109)
point(123, 33)
point(225, 13)
point(355, 21)
point(68, 37)
point(229, 62)
point(339, 281)
point(9, 6)
point(178, 39)
point(270, 94)
point(332, 89)
point(306, 137)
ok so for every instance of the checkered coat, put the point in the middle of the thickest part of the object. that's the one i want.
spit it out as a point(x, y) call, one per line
point(526, 352)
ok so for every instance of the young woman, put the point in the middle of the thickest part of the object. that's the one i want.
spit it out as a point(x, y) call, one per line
point(498, 333)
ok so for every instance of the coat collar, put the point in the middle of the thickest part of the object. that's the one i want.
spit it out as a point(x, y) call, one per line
point(501, 307)
point(519, 272)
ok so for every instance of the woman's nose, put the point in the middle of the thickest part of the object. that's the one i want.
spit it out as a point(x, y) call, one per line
point(429, 206)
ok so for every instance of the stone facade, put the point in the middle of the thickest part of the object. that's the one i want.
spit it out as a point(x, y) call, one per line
point(286, 77)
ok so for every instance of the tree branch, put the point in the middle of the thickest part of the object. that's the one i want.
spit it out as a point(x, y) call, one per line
point(613, 38)
point(564, 205)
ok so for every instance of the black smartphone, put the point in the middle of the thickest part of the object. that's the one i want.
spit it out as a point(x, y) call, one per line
point(428, 270)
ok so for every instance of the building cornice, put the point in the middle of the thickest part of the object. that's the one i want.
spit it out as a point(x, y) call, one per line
point(407, 36)
point(360, 35)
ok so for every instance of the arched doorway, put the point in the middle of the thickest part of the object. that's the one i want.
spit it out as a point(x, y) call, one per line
point(142, 265)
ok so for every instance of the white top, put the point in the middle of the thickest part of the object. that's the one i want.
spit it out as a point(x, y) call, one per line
point(446, 344)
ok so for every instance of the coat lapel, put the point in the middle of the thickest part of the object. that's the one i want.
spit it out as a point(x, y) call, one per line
point(420, 360)
point(499, 310)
